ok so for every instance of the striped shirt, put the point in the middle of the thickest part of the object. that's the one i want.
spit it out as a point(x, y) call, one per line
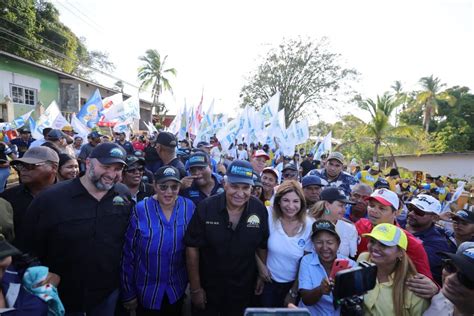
point(153, 259)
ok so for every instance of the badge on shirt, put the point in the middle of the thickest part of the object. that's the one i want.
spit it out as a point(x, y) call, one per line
point(301, 243)
point(253, 221)
point(118, 201)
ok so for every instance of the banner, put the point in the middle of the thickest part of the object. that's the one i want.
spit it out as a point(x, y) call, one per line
point(302, 132)
point(45, 120)
point(128, 109)
point(270, 109)
point(20, 121)
point(324, 147)
point(109, 103)
point(90, 112)
point(79, 127)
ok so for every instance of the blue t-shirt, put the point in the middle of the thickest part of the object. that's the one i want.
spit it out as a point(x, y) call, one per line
point(310, 276)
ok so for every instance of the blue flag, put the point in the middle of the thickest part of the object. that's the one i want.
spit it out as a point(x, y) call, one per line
point(91, 112)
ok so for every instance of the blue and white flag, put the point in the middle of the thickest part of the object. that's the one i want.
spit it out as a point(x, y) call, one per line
point(302, 132)
point(20, 121)
point(91, 112)
point(79, 127)
point(324, 147)
point(270, 109)
point(45, 120)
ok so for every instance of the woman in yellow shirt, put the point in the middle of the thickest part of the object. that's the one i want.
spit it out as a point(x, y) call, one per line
point(391, 296)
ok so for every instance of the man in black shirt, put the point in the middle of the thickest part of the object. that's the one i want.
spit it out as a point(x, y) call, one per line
point(309, 164)
point(76, 228)
point(166, 148)
point(37, 169)
point(225, 233)
point(126, 145)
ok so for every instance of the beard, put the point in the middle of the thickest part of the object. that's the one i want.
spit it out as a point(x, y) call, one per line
point(96, 180)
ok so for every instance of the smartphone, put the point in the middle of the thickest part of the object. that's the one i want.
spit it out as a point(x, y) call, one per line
point(355, 281)
point(338, 265)
point(277, 312)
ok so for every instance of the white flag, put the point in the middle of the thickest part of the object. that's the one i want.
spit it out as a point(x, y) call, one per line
point(79, 127)
point(270, 109)
point(46, 120)
point(324, 147)
point(302, 132)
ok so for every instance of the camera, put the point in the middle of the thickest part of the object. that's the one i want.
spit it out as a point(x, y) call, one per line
point(351, 284)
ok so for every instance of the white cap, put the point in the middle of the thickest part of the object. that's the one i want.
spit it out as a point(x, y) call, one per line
point(386, 197)
point(426, 203)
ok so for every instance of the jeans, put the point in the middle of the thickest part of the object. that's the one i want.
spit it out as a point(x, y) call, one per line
point(4, 174)
point(105, 308)
point(274, 293)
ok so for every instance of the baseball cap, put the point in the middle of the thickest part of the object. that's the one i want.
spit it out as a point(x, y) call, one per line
point(261, 153)
point(109, 153)
point(6, 249)
point(289, 166)
point(166, 139)
point(324, 225)
point(273, 171)
point(426, 203)
point(393, 172)
point(313, 180)
point(37, 155)
point(336, 156)
point(94, 134)
point(332, 194)
point(68, 128)
point(167, 173)
point(203, 144)
point(385, 197)
point(381, 183)
point(463, 259)
point(465, 215)
point(257, 182)
point(131, 160)
point(198, 159)
point(55, 134)
point(389, 235)
point(25, 131)
point(240, 171)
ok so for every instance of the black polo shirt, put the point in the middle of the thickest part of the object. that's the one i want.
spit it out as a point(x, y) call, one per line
point(226, 256)
point(80, 239)
point(20, 198)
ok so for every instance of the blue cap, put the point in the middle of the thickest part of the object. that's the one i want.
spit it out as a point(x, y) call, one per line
point(55, 134)
point(313, 180)
point(94, 134)
point(240, 171)
point(198, 159)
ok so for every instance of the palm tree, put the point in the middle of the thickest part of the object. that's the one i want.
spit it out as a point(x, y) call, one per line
point(154, 72)
point(379, 128)
point(429, 98)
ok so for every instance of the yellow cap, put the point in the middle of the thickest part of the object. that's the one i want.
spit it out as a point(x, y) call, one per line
point(389, 235)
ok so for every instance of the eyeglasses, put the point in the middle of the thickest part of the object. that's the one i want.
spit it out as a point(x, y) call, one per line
point(28, 166)
point(289, 174)
point(451, 268)
point(164, 187)
point(416, 210)
point(133, 170)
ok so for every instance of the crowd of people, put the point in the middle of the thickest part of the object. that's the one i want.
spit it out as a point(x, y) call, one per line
point(156, 226)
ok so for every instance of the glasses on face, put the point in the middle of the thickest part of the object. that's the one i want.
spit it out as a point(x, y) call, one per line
point(28, 166)
point(133, 170)
point(165, 187)
point(289, 174)
point(449, 266)
point(416, 210)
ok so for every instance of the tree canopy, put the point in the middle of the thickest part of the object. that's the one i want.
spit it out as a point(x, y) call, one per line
point(306, 73)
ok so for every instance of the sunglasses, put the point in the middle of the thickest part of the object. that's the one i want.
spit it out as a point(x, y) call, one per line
point(449, 266)
point(416, 210)
point(164, 187)
point(28, 166)
point(133, 170)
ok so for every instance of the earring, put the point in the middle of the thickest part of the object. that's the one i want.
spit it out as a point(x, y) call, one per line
point(326, 211)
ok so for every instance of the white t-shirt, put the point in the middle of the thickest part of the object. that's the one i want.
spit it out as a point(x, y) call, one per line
point(216, 153)
point(242, 154)
point(348, 234)
point(284, 253)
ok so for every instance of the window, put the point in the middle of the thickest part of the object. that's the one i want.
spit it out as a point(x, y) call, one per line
point(23, 95)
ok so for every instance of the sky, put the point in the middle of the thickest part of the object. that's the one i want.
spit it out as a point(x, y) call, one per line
point(215, 45)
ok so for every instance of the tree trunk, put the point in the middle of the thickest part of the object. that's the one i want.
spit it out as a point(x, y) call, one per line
point(376, 151)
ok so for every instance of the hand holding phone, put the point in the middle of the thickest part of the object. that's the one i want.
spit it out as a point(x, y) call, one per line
point(338, 265)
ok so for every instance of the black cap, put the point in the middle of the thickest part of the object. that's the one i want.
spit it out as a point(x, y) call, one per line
point(198, 159)
point(332, 194)
point(463, 259)
point(240, 171)
point(393, 172)
point(94, 134)
point(313, 180)
point(289, 166)
point(131, 160)
point(203, 144)
point(465, 215)
point(167, 173)
point(6, 249)
point(324, 225)
point(55, 134)
point(166, 139)
point(25, 130)
point(381, 183)
point(108, 153)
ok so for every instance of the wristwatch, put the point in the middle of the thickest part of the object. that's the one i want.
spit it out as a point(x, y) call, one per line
point(293, 294)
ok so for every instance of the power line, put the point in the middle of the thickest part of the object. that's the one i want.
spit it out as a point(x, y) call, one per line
point(85, 15)
point(80, 18)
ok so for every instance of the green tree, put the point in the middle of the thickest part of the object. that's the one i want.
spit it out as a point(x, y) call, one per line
point(154, 72)
point(429, 98)
point(379, 129)
point(306, 73)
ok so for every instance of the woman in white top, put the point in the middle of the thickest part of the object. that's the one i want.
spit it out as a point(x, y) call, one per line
point(289, 241)
point(332, 207)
